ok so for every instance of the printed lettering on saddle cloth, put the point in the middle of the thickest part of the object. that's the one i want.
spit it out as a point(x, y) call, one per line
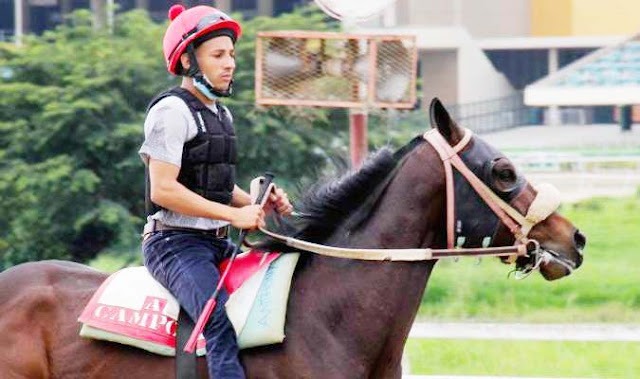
point(258, 285)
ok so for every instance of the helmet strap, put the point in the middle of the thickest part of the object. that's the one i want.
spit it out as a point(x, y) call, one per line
point(201, 82)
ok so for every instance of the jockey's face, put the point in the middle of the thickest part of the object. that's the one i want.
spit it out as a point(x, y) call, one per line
point(216, 59)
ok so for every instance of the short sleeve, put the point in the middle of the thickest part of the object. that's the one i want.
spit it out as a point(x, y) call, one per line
point(228, 113)
point(166, 129)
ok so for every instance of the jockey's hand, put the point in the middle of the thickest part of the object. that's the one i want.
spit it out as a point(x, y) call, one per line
point(248, 217)
point(279, 200)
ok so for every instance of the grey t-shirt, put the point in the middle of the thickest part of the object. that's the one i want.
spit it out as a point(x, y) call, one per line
point(169, 124)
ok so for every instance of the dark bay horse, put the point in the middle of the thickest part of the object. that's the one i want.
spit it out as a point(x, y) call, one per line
point(346, 318)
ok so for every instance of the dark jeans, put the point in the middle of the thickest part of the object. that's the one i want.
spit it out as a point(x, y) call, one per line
point(186, 264)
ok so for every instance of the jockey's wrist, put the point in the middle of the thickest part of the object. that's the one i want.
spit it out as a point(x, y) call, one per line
point(222, 212)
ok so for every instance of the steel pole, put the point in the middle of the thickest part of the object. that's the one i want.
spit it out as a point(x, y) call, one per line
point(358, 137)
point(18, 22)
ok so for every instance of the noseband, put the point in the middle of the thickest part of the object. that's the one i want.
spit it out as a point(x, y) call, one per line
point(545, 203)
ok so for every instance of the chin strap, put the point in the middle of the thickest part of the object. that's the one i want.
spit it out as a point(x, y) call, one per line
point(201, 82)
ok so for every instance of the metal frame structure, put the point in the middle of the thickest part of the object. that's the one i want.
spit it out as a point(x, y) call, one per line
point(372, 42)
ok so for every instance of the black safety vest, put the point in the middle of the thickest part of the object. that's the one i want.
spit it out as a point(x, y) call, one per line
point(209, 159)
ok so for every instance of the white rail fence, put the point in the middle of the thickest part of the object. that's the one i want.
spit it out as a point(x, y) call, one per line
point(531, 332)
point(580, 177)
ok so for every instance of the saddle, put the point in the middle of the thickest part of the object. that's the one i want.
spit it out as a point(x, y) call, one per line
point(131, 308)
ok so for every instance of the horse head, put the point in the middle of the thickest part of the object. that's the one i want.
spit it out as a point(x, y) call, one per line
point(519, 211)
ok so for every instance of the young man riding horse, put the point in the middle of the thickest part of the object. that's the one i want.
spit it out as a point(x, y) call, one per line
point(190, 155)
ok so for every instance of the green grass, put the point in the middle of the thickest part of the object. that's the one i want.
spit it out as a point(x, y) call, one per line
point(604, 289)
point(112, 262)
point(553, 359)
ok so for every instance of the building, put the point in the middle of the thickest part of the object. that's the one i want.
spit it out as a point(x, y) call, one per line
point(474, 52)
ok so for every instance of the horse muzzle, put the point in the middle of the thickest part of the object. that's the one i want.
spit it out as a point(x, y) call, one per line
point(553, 263)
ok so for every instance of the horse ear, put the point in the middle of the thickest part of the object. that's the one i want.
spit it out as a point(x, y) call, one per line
point(440, 119)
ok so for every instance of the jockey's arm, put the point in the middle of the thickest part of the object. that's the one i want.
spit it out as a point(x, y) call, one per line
point(167, 192)
point(240, 197)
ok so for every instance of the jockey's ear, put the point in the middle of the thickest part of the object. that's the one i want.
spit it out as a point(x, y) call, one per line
point(185, 61)
point(439, 118)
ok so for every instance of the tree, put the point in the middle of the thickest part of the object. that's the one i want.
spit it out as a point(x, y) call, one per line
point(71, 119)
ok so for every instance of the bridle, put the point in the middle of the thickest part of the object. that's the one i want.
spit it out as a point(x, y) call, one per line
point(545, 203)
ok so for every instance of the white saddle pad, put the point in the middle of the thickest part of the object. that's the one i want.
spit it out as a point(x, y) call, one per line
point(131, 308)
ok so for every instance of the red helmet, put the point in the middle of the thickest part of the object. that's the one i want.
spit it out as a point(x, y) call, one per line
point(187, 25)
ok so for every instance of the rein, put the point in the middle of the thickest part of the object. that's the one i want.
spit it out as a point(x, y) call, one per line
point(393, 254)
point(543, 205)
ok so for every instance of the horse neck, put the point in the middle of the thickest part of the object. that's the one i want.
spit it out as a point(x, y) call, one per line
point(376, 302)
point(410, 213)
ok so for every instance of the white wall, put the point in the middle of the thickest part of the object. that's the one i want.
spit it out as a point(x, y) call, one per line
point(460, 74)
point(439, 69)
point(497, 18)
point(478, 79)
point(482, 18)
point(452, 65)
point(428, 13)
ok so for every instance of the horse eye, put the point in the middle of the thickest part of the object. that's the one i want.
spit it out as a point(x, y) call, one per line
point(504, 175)
point(507, 175)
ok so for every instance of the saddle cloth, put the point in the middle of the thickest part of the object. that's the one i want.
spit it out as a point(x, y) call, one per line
point(131, 308)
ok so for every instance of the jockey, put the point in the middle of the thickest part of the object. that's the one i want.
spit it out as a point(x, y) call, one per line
point(189, 152)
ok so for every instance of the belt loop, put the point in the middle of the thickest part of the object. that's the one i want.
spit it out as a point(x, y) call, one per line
point(222, 232)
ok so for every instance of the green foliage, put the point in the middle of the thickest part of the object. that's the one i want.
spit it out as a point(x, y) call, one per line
point(548, 359)
point(70, 125)
point(73, 105)
point(603, 289)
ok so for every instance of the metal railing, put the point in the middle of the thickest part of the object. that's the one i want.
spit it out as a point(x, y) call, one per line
point(497, 114)
point(481, 117)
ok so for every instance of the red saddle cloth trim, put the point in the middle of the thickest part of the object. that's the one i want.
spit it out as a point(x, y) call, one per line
point(122, 319)
point(245, 265)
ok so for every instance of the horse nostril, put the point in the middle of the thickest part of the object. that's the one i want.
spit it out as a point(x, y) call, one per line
point(580, 240)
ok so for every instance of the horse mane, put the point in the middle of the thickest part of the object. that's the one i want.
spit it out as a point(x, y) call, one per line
point(326, 204)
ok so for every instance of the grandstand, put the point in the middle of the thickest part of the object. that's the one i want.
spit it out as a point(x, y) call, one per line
point(617, 68)
point(608, 76)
